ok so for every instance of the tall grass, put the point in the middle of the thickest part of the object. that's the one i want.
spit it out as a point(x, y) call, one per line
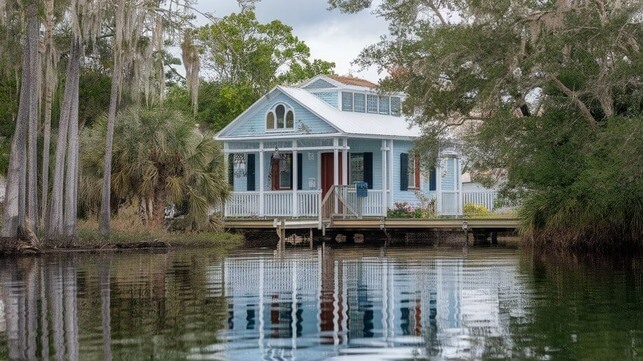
point(586, 221)
point(127, 228)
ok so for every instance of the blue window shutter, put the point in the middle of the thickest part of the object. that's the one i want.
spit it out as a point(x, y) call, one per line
point(250, 174)
point(231, 170)
point(300, 171)
point(433, 179)
point(368, 169)
point(404, 171)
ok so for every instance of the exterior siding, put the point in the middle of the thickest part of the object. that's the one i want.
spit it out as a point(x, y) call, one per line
point(241, 183)
point(410, 196)
point(369, 145)
point(319, 84)
point(449, 178)
point(329, 97)
point(305, 121)
point(309, 170)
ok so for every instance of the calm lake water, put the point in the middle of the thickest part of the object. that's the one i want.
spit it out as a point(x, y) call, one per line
point(342, 304)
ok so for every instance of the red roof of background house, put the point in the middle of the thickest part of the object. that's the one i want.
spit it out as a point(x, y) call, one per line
point(349, 80)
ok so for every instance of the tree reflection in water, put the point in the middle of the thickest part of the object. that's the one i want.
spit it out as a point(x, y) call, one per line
point(41, 302)
point(316, 305)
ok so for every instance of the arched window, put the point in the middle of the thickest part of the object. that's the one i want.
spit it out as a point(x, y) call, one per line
point(270, 120)
point(280, 117)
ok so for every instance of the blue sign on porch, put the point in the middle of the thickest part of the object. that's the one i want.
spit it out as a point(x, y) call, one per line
point(361, 188)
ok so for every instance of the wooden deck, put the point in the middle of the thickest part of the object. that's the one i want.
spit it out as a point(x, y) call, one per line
point(508, 224)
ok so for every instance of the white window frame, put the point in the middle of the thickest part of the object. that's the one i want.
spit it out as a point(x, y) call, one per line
point(384, 100)
point(376, 110)
point(273, 111)
point(354, 102)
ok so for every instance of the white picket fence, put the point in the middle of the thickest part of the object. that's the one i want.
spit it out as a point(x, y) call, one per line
point(486, 198)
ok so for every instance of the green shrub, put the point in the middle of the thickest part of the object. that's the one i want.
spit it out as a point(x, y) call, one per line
point(405, 210)
point(472, 209)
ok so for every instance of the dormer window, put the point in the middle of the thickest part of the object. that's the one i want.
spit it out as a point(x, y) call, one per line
point(280, 117)
point(347, 101)
point(384, 104)
point(360, 103)
point(371, 102)
point(396, 106)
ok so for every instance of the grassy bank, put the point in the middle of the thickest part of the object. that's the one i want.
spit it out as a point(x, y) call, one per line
point(88, 237)
point(130, 233)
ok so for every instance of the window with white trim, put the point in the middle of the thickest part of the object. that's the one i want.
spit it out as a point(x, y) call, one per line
point(383, 108)
point(356, 168)
point(359, 102)
point(396, 105)
point(371, 103)
point(414, 172)
point(281, 172)
point(280, 117)
point(347, 101)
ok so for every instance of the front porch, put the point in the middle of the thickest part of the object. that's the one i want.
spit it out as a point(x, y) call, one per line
point(315, 177)
point(299, 204)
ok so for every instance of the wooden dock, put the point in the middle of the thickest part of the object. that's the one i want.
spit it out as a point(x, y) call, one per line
point(505, 224)
point(482, 229)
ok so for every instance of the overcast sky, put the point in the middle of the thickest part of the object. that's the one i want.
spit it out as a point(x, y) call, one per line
point(331, 35)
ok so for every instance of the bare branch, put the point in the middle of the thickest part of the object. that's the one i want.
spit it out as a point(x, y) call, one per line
point(591, 121)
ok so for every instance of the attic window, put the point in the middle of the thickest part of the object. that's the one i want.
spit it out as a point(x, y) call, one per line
point(280, 117)
point(395, 106)
point(371, 102)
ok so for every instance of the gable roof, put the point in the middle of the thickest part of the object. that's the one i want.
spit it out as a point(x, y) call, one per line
point(337, 81)
point(346, 123)
point(353, 123)
point(349, 80)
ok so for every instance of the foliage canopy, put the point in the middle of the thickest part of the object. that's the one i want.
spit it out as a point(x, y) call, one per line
point(159, 159)
point(547, 93)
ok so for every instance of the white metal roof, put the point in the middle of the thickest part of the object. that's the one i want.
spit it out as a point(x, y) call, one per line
point(353, 123)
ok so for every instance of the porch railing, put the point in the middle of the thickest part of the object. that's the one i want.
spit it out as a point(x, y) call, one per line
point(275, 203)
point(341, 201)
point(309, 203)
point(242, 204)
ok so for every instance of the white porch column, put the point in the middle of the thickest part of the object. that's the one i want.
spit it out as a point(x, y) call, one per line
point(384, 177)
point(262, 212)
point(227, 174)
point(458, 185)
point(295, 181)
point(391, 168)
point(336, 170)
point(345, 162)
point(335, 161)
point(438, 187)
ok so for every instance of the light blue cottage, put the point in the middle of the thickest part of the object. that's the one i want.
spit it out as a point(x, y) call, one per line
point(299, 151)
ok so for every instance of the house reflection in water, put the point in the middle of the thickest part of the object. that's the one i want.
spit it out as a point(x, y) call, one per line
point(308, 305)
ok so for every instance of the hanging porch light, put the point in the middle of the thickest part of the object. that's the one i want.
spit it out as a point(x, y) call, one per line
point(239, 162)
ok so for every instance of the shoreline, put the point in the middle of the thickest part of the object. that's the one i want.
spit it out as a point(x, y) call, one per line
point(125, 242)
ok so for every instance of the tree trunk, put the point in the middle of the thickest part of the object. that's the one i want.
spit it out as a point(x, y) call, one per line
point(55, 224)
point(49, 85)
point(15, 195)
point(105, 209)
point(160, 197)
point(33, 34)
point(71, 179)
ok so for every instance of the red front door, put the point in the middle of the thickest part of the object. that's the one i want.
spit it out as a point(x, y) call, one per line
point(327, 171)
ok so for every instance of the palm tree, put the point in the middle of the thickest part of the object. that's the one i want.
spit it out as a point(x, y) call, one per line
point(159, 159)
